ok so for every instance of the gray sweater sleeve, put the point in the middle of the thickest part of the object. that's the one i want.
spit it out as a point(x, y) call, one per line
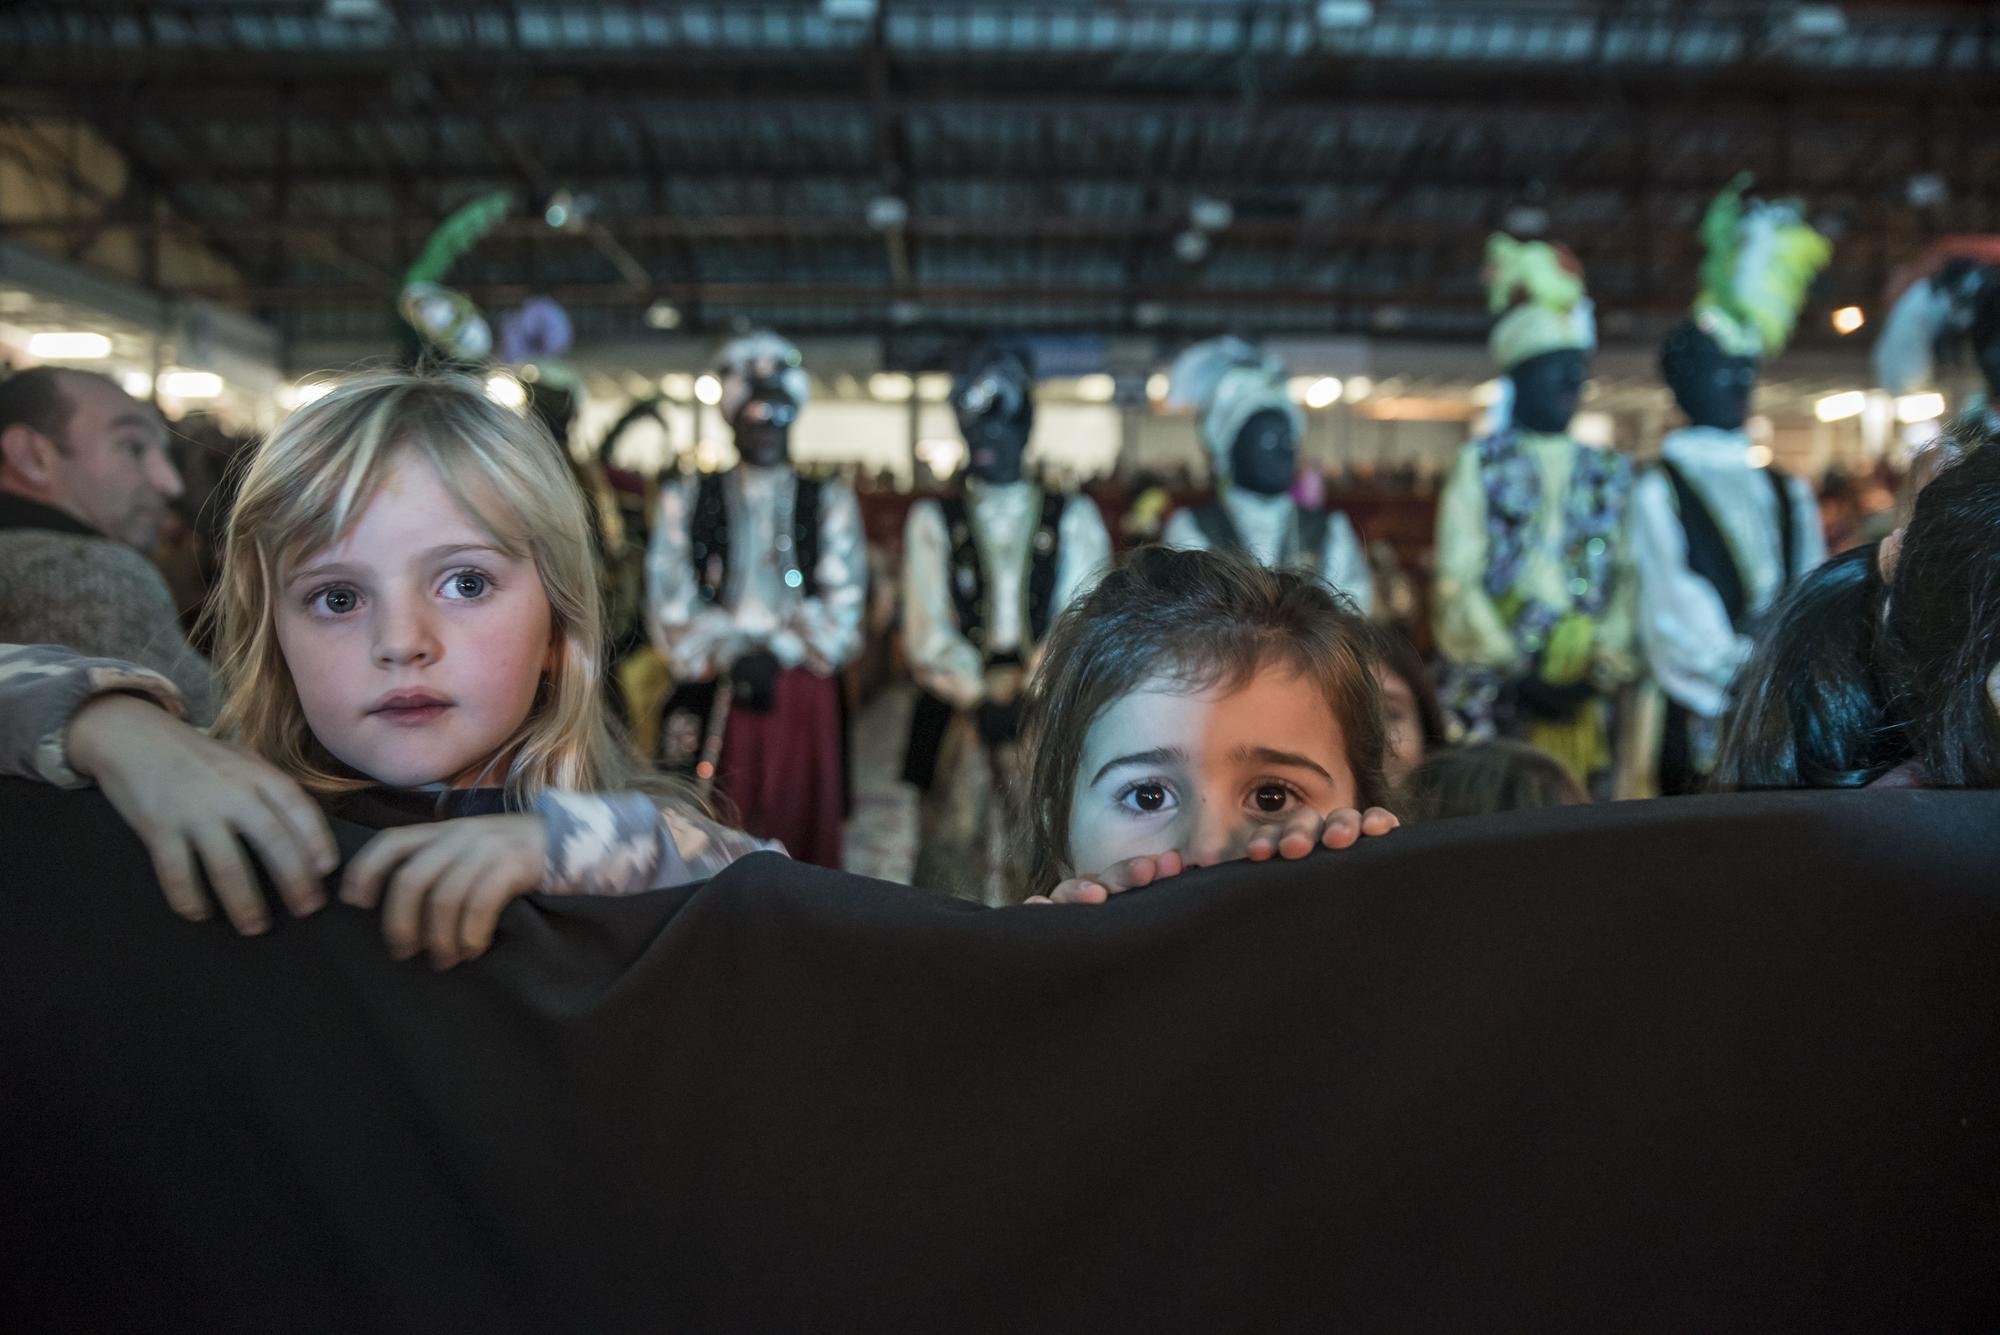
point(104, 600)
point(41, 688)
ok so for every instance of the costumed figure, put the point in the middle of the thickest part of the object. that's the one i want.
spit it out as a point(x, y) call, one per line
point(1252, 430)
point(986, 569)
point(1716, 537)
point(1949, 306)
point(1533, 604)
point(755, 580)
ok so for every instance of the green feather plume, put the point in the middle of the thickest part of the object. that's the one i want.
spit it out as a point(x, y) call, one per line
point(458, 234)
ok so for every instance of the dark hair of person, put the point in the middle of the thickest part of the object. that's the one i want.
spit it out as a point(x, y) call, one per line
point(1808, 711)
point(1940, 642)
point(1200, 619)
point(1482, 778)
point(1399, 658)
point(38, 399)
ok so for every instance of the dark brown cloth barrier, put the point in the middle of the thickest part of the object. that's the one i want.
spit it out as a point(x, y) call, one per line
point(1716, 1064)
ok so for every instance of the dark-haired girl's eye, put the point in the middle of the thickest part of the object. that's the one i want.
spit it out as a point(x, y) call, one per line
point(1146, 798)
point(1271, 798)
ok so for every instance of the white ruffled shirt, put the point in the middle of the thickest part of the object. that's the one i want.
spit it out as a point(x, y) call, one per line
point(1690, 647)
point(1265, 525)
point(757, 608)
point(1004, 519)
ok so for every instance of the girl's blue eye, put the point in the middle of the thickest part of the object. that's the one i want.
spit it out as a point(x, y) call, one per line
point(337, 601)
point(467, 584)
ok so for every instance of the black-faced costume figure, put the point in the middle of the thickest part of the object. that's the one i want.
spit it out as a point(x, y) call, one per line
point(1943, 332)
point(986, 569)
point(1252, 430)
point(755, 580)
point(1717, 534)
point(1533, 607)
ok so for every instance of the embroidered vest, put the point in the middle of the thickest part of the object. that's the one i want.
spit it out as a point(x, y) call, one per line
point(1301, 550)
point(708, 538)
point(969, 584)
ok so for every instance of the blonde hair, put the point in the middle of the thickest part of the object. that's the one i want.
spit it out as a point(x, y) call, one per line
point(312, 479)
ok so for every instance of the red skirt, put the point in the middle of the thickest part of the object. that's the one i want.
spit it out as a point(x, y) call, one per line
point(780, 772)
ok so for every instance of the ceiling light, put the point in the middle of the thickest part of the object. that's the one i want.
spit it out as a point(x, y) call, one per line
point(934, 387)
point(1324, 392)
point(663, 315)
point(1098, 388)
point(190, 384)
point(1157, 385)
point(136, 383)
point(1848, 319)
point(891, 386)
point(1838, 407)
point(1345, 13)
point(887, 212)
point(1758, 456)
point(1919, 407)
point(708, 389)
point(1210, 214)
point(69, 347)
point(1819, 21)
point(677, 385)
point(506, 391)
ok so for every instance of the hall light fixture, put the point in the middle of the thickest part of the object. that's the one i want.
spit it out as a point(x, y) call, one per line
point(506, 391)
point(934, 387)
point(891, 386)
point(69, 347)
point(1157, 385)
point(677, 385)
point(1096, 388)
point(1839, 407)
point(708, 389)
point(1926, 407)
point(1345, 13)
point(136, 383)
point(1324, 392)
point(190, 384)
point(1758, 456)
point(663, 315)
point(1210, 214)
point(1848, 319)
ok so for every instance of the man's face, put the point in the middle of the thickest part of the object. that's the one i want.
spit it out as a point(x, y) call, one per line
point(111, 468)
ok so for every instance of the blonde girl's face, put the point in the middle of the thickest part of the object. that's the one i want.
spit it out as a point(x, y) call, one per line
point(1202, 772)
point(416, 644)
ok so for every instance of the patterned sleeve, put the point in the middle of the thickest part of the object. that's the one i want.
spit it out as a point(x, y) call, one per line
point(623, 843)
point(41, 688)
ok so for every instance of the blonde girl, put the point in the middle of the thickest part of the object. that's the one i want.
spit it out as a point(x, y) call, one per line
point(408, 599)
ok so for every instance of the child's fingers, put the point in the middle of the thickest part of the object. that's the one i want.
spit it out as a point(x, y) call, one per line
point(1343, 827)
point(403, 899)
point(481, 919)
point(1079, 891)
point(444, 910)
point(277, 847)
point(361, 886)
point(305, 819)
point(229, 877)
point(1379, 820)
point(173, 866)
point(1299, 835)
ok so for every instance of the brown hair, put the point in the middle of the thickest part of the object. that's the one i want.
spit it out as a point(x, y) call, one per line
point(1204, 619)
point(1480, 778)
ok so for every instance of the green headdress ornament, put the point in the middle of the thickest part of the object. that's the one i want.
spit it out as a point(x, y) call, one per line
point(1762, 256)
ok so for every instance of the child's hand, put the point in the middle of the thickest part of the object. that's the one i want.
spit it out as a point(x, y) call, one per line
point(1306, 830)
point(1291, 840)
point(188, 796)
point(1121, 876)
point(447, 882)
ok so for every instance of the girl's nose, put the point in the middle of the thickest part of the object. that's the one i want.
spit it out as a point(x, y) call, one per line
point(1219, 836)
point(404, 637)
